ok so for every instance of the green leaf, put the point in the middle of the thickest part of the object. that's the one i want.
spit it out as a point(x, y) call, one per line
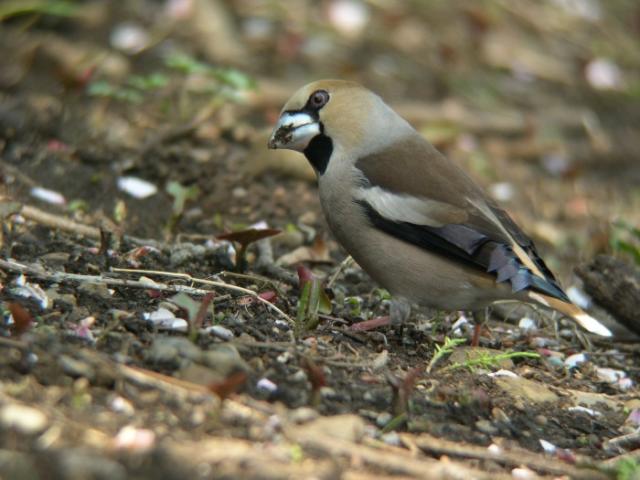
point(186, 64)
point(100, 88)
point(78, 205)
point(187, 303)
point(58, 8)
point(148, 82)
point(234, 78)
point(181, 195)
point(303, 303)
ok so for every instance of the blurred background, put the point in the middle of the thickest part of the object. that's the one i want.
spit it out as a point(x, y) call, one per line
point(152, 116)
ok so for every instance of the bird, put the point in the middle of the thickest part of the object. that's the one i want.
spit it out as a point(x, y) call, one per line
point(413, 219)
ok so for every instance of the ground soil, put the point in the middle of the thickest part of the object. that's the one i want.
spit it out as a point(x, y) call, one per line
point(91, 388)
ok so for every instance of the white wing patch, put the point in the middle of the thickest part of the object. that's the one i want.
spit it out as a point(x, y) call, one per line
point(406, 208)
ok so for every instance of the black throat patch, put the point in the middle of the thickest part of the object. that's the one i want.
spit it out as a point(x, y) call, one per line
point(318, 152)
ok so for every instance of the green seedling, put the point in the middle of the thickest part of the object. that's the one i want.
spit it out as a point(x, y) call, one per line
point(102, 88)
point(354, 304)
point(228, 77)
point(78, 205)
point(382, 294)
point(395, 423)
point(443, 350)
point(153, 81)
point(627, 469)
point(196, 311)
point(296, 453)
point(181, 195)
point(488, 361)
point(180, 98)
point(313, 301)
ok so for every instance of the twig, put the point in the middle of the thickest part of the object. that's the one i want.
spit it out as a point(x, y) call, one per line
point(116, 282)
point(65, 224)
point(344, 264)
point(397, 461)
point(537, 462)
point(58, 222)
point(212, 283)
point(623, 443)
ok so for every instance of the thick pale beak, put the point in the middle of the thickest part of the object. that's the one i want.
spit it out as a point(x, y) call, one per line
point(294, 131)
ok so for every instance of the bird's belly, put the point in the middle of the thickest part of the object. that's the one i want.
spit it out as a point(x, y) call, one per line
point(408, 271)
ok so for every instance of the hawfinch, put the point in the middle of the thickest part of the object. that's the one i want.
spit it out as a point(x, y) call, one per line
point(412, 219)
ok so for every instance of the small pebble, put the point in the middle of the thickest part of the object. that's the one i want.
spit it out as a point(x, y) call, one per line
point(542, 342)
point(610, 375)
point(349, 17)
point(48, 196)
point(129, 37)
point(499, 415)
point(299, 377)
point(304, 415)
point(625, 384)
point(485, 426)
point(634, 418)
point(239, 192)
point(540, 420)
point(586, 410)
point(164, 319)
point(502, 373)
point(494, 449)
point(527, 324)
point(523, 473)
point(502, 191)
point(548, 447)
point(574, 360)
point(380, 361)
point(383, 419)
point(220, 332)
point(76, 368)
point(555, 361)
point(604, 74)
point(392, 438)
point(136, 187)
point(328, 393)
point(266, 385)
point(284, 357)
point(23, 419)
point(122, 405)
point(132, 438)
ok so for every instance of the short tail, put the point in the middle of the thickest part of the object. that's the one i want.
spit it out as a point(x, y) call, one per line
point(582, 318)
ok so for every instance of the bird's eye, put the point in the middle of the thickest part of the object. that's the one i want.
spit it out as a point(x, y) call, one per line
point(318, 99)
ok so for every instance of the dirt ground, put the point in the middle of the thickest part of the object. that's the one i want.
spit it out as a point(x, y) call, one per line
point(140, 340)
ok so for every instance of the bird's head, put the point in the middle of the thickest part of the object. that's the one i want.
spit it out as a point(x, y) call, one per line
point(330, 115)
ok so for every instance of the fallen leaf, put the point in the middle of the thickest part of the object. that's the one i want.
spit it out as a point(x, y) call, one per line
point(251, 235)
point(22, 319)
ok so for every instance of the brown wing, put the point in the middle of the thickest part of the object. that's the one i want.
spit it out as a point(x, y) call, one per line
point(487, 239)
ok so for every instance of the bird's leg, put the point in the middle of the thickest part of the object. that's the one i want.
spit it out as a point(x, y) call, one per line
point(399, 310)
point(479, 317)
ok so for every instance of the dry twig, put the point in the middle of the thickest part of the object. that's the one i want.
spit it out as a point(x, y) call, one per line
point(213, 283)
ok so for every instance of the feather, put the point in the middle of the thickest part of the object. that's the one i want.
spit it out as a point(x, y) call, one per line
point(466, 245)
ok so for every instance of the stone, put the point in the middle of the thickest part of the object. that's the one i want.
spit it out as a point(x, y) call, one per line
point(23, 419)
point(526, 390)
